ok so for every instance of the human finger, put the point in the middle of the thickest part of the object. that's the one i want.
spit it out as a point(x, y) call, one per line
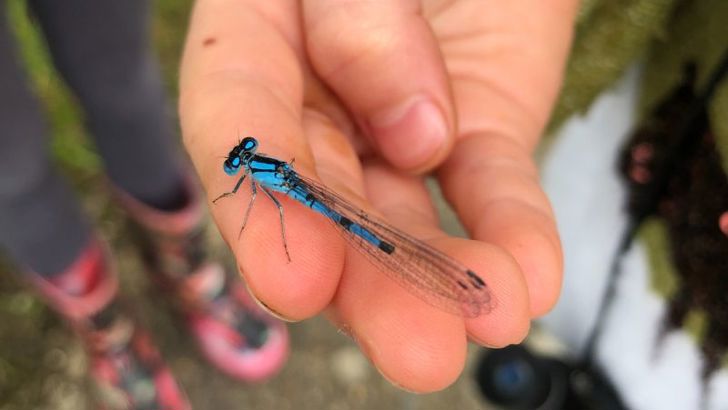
point(382, 60)
point(241, 73)
point(414, 344)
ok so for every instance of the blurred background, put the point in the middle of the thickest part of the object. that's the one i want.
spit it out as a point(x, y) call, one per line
point(42, 364)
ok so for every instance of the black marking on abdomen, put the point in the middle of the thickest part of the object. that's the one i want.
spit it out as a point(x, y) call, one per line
point(462, 285)
point(475, 279)
point(345, 222)
point(310, 199)
point(388, 248)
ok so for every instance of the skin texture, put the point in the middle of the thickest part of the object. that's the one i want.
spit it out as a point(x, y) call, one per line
point(368, 96)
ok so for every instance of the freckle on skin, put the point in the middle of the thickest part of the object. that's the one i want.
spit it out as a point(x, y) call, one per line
point(209, 41)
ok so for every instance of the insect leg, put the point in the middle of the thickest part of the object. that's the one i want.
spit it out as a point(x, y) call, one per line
point(237, 186)
point(253, 188)
point(280, 212)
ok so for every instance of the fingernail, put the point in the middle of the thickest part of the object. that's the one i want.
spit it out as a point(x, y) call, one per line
point(482, 343)
point(263, 305)
point(371, 353)
point(411, 132)
point(274, 313)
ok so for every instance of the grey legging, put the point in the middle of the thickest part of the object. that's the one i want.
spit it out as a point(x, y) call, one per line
point(101, 49)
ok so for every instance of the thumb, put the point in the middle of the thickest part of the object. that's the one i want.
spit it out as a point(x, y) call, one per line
point(383, 61)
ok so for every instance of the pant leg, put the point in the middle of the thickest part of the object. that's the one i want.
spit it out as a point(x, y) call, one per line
point(41, 224)
point(102, 49)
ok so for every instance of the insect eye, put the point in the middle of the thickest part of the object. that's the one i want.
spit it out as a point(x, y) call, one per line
point(250, 144)
point(231, 167)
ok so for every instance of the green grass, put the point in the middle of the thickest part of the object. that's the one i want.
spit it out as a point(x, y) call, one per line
point(64, 118)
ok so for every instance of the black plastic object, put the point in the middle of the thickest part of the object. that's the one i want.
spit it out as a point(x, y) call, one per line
point(515, 379)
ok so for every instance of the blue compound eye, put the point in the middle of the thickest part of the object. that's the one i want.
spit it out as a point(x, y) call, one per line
point(250, 144)
point(231, 166)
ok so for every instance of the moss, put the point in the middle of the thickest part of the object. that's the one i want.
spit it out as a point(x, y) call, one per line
point(608, 39)
point(663, 277)
point(697, 33)
point(696, 324)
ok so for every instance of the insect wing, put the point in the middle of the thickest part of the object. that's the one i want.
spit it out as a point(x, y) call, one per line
point(421, 269)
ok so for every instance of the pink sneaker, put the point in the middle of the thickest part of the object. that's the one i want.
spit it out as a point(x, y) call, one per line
point(125, 367)
point(234, 334)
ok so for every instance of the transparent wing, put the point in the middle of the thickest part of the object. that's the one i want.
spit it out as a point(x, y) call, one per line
point(421, 269)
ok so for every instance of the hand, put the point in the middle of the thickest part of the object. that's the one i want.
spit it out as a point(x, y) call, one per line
point(366, 95)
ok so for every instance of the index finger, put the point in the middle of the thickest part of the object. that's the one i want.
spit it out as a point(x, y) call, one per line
point(241, 73)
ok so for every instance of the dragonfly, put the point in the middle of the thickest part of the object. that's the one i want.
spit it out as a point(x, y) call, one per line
point(426, 272)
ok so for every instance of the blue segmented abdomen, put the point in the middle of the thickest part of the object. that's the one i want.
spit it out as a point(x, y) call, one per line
point(308, 199)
